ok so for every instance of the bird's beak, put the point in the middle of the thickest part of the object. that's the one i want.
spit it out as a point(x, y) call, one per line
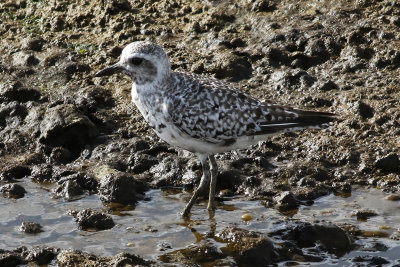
point(116, 68)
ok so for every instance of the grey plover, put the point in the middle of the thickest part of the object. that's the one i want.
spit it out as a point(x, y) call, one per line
point(202, 114)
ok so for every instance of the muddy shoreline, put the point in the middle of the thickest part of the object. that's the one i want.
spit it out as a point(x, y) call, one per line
point(67, 137)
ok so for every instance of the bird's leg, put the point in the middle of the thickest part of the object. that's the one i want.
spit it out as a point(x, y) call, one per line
point(213, 183)
point(204, 182)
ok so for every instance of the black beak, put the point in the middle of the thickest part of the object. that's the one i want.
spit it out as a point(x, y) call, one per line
point(116, 68)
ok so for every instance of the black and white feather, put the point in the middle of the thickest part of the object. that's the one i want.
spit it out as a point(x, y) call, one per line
point(202, 114)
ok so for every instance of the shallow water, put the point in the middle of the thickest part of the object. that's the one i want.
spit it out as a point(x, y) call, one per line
point(155, 227)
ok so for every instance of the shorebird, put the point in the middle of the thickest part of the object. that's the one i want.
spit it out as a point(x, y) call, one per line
point(202, 114)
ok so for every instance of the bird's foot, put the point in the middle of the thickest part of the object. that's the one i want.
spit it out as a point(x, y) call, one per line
point(211, 206)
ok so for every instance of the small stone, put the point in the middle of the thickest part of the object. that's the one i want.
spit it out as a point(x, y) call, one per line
point(287, 201)
point(13, 190)
point(69, 190)
point(195, 255)
point(333, 238)
point(371, 260)
point(120, 188)
point(363, 215)
point(91, 219)
point(393, 197)
point(41, 255)
point(249, 248)
point(126, 259)
point(247, 217)
point(74, 186)
point(30, 228)
point(42, 173)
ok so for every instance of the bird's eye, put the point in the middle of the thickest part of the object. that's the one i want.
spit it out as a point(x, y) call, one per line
point(136, 61)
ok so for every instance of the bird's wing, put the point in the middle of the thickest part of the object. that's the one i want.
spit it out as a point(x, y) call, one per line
point(215, 112)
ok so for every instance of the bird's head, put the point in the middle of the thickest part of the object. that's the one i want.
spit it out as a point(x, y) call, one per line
point(144, 62)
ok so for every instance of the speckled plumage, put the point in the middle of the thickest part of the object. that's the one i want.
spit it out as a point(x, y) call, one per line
point(202, 114)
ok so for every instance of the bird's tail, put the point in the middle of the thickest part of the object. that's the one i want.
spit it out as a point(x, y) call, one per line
point(314, 119)
point(286, 119)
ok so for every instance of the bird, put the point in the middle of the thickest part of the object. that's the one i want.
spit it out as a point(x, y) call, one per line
point(202, 114)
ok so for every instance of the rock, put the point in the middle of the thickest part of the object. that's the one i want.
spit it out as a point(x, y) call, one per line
point(85, 181)
point(75, 258)
point(41, 255)
point(364, 110)
point(127, 259)
point(30, 228)
point(203, 253)
point(91, 219)
point(249, 248)
point(370, 260)
point(64, 125)
point(330, 236)
point(363, 215)
point(393, 197)
point(119, 187)
point(13, 190)
point(287, 201)
point(69, 190)
point(389, 163)
point(73, 186)
point(140, 163)
point(14, 172)
point(168, 172)
point(68, 258)
point(42, 172)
